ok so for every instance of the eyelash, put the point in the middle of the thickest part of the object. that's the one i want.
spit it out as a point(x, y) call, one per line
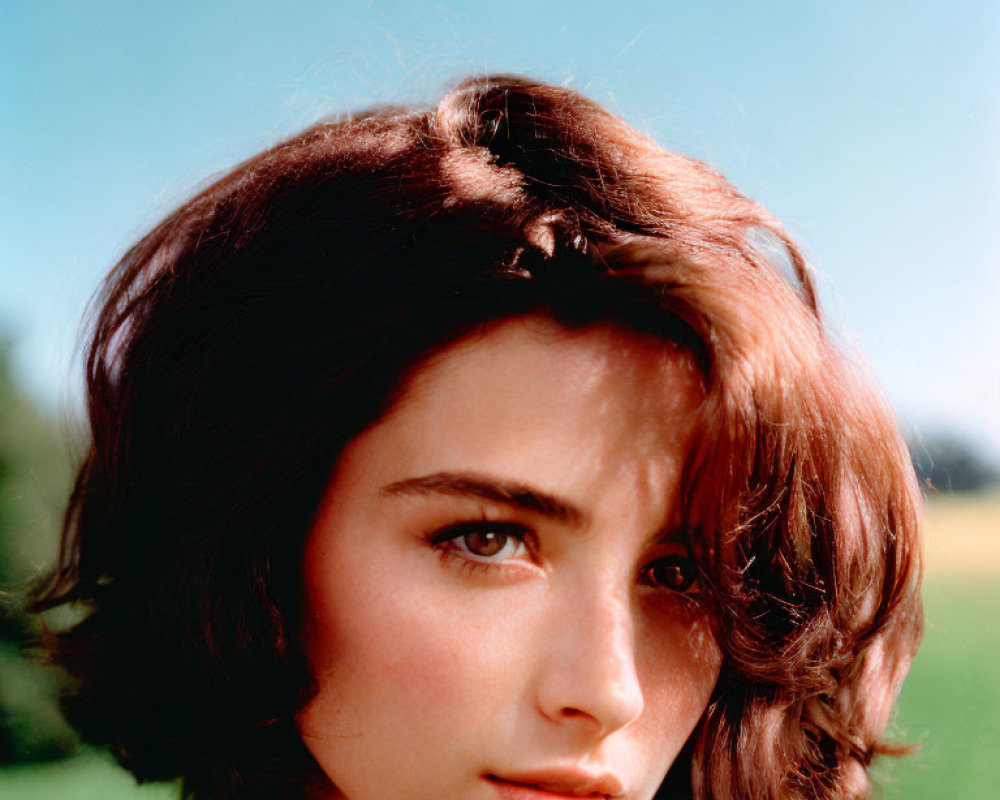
point(447, 541)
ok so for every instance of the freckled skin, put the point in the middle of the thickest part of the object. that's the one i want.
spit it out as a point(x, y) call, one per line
point(433, 674)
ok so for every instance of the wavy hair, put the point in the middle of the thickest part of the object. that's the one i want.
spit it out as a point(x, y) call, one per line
point(247, 338)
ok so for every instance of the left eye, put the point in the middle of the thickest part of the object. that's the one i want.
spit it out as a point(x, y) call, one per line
point(485, 542)
point(677, 573)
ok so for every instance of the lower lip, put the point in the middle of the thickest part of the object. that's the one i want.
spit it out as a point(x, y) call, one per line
point(520, 791)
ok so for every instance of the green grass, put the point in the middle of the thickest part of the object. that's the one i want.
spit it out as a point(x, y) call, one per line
point(950, 705)
point(87, 777)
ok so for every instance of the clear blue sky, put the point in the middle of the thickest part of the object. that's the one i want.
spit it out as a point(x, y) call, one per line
point(871, 128)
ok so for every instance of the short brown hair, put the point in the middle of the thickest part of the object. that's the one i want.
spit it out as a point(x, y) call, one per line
point(245, 340)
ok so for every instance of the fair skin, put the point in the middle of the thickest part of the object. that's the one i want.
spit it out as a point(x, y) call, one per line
point(499, 601)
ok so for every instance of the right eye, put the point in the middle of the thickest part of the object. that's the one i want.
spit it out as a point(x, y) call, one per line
point(483, 542)
point(677, 573)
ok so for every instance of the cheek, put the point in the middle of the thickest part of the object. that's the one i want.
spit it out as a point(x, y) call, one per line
point(391, 652)
point(679, 667)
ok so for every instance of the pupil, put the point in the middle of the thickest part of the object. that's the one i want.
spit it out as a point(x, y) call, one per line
point(485, 543)
point(673, 573)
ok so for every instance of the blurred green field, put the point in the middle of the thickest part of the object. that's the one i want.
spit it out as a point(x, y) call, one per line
point(950, 703)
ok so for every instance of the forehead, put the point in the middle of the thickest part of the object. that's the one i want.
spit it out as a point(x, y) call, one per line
point(533, 361)
point(529, 399)
point(537, 339)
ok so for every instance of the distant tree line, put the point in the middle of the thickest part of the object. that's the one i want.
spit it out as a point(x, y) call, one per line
point(945, 462)
point(35, 472)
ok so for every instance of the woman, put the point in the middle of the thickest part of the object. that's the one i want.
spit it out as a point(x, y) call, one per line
point(485, 451)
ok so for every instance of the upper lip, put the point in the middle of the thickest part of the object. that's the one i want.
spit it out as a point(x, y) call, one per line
point(573, 780)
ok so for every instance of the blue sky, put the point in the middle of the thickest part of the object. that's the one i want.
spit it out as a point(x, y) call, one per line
point(871, 128)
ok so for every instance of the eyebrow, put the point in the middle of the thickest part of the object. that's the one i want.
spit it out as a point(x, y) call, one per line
point(497, 490)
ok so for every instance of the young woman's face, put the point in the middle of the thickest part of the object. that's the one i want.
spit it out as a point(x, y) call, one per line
point(499, 604)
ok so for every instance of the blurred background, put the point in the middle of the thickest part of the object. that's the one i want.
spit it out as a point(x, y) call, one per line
point(871, 129)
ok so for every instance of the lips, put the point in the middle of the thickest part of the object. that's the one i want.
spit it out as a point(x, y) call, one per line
point(557, 783)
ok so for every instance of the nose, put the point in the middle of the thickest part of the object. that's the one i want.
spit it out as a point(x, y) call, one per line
point(589, 677)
